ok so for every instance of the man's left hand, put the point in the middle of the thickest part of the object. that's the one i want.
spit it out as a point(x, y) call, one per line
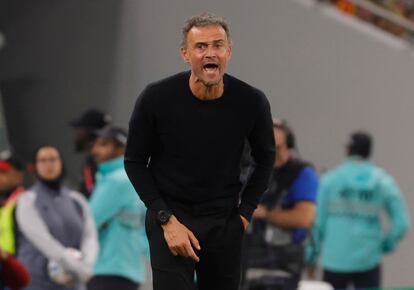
point(245, 222)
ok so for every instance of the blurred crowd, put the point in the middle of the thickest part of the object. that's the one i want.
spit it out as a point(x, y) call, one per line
point(55, 237)
point(93, 237)
point(402, 8)
point(334, 219)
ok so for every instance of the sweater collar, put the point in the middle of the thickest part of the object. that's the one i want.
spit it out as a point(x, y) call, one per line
point(111, 165)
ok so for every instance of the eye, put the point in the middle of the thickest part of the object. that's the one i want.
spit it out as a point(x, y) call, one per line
point(201, 46)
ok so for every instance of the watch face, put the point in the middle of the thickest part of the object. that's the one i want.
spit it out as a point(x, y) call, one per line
point(164, 216)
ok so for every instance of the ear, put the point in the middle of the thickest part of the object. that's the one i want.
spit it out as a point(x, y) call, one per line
point(229, 52)
point(184, 55)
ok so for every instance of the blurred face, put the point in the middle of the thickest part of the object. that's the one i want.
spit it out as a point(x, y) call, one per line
point(106, 149)
point(282, 150)
point(48, 164)
point(280, 140)
point(10, 179)
point(207, 52)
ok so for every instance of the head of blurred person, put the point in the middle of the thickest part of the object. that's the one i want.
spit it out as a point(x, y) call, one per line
point(284, 141)
point(85, 125)
point(48, 166)
point(109, 144)
point(359, 145)
point(11, 173)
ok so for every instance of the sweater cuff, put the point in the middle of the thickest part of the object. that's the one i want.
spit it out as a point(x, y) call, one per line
point(246, 210)
point(158, 204)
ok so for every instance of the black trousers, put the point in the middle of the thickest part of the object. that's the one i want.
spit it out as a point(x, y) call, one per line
point(360, 280)
point(220, 233)
point(111, 283)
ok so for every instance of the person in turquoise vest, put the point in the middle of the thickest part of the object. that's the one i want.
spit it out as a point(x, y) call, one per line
point(119, 215)
point(348, 234)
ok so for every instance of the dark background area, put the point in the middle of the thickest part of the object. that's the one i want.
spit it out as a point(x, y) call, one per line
point(58, 60)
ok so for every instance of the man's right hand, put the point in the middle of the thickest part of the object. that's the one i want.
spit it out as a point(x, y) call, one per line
point(180, 239)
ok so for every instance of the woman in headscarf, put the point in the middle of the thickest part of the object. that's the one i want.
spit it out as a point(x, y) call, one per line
point(57, 239)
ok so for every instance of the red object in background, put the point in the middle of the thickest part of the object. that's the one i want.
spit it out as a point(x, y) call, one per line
point(346, 7)
point(14, 274)
point(30, 167)
point(88, 177)
point(5, 166)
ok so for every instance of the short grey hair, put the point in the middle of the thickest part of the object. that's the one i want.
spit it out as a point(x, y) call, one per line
point(203, 20)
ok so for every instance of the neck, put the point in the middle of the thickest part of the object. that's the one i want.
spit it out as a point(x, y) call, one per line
point(52, 184)
point(282, 159)
point(205, 92)
point(111, 159)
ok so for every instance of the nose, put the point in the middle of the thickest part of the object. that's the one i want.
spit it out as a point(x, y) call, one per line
point(210, 51)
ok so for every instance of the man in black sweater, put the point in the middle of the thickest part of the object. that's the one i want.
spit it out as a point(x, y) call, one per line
point(186, 139)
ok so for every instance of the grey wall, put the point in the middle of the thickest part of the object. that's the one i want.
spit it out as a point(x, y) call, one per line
point(4, 143)
point(325, 78)
point(59, 59)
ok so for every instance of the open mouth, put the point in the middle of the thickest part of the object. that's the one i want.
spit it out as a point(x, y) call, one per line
point(210, 67)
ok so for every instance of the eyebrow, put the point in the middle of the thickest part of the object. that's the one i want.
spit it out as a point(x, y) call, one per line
point(214, 41)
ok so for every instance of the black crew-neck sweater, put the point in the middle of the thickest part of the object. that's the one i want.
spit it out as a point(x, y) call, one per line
point(183, 148)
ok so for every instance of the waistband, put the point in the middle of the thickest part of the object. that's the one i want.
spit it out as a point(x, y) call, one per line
point(219, 205)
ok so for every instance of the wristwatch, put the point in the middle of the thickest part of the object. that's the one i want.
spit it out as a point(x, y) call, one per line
point(163, 216)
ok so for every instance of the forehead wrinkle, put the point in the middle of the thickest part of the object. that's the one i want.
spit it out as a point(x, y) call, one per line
point(208, 40)
point(201, 34)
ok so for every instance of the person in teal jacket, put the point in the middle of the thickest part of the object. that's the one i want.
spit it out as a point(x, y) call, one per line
point(119, 215)
point(347, 233)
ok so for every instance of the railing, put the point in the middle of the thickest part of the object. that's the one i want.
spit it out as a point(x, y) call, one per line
point(382, 14)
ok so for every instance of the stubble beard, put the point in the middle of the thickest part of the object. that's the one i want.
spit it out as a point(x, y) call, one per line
point(210, 84)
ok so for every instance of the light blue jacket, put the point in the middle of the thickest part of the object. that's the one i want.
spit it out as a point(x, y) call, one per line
point(348, 233)
point(119, 216)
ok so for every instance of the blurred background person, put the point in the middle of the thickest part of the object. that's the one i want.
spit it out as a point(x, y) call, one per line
point(274, 245)
point(11, 187)
point(348, 233)
point(84, 127)
point(57, 241)
point(119, 215)
point(13, 274)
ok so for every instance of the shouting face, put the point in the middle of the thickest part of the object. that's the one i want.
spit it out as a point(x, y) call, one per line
point(207, 51)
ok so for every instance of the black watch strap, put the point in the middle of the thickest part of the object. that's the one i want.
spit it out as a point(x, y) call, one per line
point(163, 216)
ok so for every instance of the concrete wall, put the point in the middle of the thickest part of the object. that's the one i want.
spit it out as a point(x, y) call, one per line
point(4, 143)
point(59, 59)
point(326, 78)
